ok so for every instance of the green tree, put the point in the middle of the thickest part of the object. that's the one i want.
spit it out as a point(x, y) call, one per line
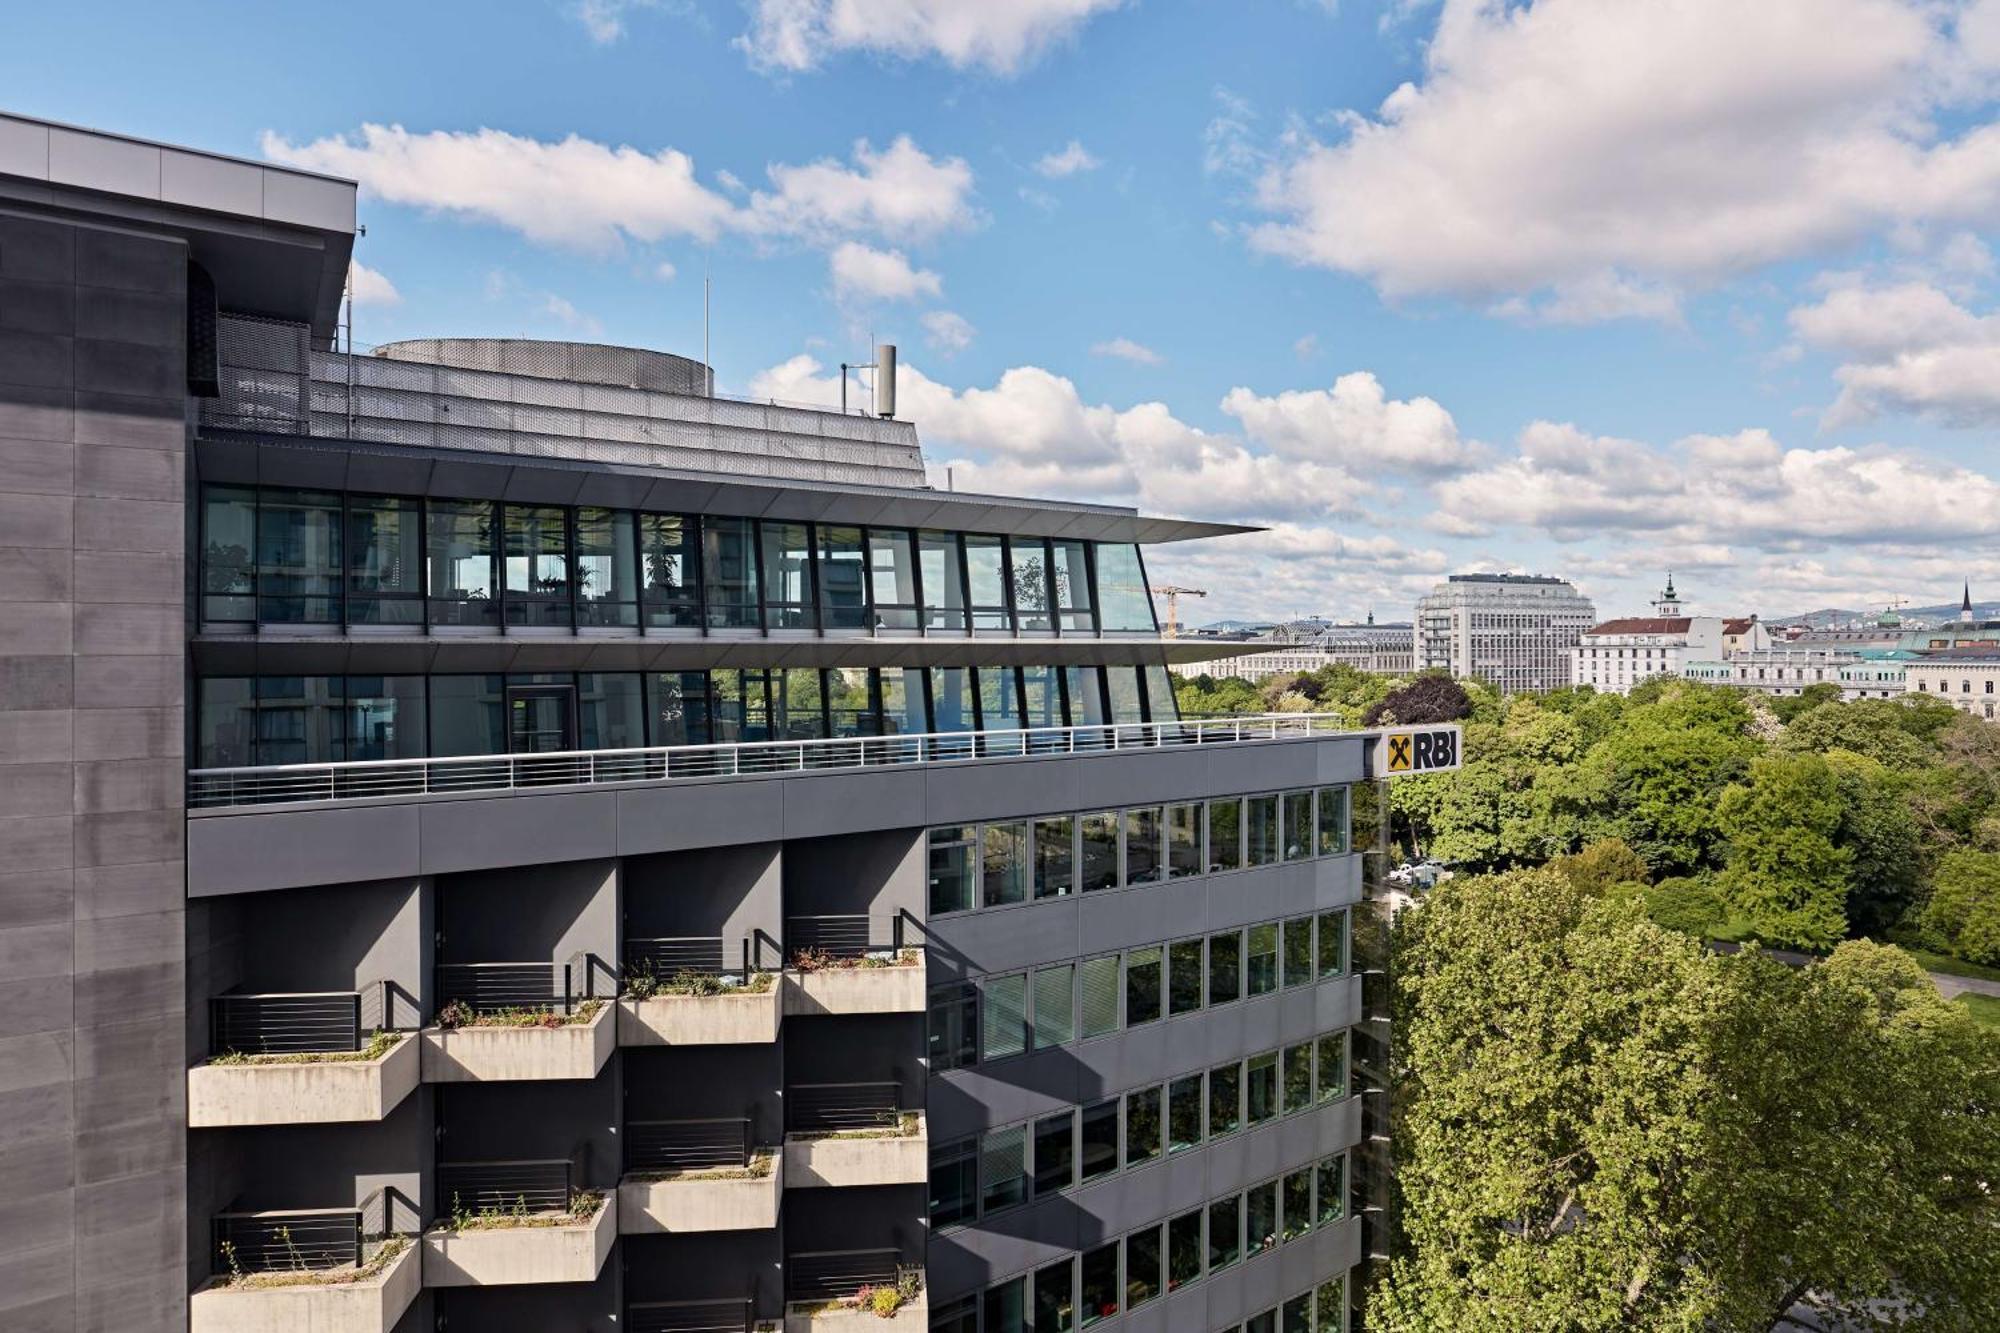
point(1878, 829)
point(1964, 911)
point(1786, 875)
point(1896, 733)
point(1427, 699)
point(1654, 781)
point(1602, 866)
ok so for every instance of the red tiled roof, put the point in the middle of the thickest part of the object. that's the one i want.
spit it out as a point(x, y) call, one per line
point(1644, 625)
point(1738, 626)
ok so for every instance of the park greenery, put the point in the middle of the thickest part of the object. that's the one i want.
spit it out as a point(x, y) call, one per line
point(1604, 1122)
point(1797, 821)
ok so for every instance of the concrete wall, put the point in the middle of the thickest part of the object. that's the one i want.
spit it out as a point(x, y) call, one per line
point(724, 1265)
point(92, 546)
point(731, 892)
point(552, 1118)
point(531, 912)
point(879, 873)
point(700, 1082)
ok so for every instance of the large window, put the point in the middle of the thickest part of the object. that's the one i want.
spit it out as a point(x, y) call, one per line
point(537, 560)
point(299, 570)
point(1070, 573)
point(385, 561)
point(788, 586)
point(951, 855)
point(943, 575)
point(607, 572)
point(954, 1033)
point(463, 549)
point(228, 554)
point(1028, 558)
point(843, 590)
point(892, 579)
point(1124, 605)
point(729, 572)
point(1055, 856)
point(670, 570)
point(986, 581)
point(1098, 856)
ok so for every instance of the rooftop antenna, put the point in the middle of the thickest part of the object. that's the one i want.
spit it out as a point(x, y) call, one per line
point(707, 366)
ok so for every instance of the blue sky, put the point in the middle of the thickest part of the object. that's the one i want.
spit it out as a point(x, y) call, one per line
point(1573, 287)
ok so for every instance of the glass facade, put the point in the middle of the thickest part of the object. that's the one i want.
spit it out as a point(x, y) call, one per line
point(286, 556)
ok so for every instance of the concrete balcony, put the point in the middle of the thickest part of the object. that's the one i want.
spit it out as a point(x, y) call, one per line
point(895, 1154)
point(716, 1199)
point(870, 985)
point(369, 1299)
point(307, 1088)
point(503, 1250)
point(735, 1018)
point(487, 1050)
point(913, 1316)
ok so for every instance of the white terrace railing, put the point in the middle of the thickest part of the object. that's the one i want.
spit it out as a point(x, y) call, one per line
point(210, 788)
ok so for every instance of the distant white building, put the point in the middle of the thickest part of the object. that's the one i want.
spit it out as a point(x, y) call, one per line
point(1786, 670)
point(1966, 678)
point(1618, 654)
point(1512, 630)
point(1382, 649)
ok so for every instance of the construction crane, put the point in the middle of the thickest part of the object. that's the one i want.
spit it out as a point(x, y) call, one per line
point(1173, 592)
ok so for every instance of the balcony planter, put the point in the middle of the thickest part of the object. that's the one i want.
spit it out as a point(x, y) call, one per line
point(536, 1248)
point(486, 1051)
point(304, 1089)
point(722, 1200)
point(913, 1316)
point(899, 1156)
point(343, 1300)
point(732, 1018)
point(868, 987)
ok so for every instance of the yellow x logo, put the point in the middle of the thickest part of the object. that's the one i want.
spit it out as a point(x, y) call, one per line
point(1399, 754)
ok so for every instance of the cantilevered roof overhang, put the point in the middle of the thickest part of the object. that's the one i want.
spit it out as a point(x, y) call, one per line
point(242, 458)
point(394, 655)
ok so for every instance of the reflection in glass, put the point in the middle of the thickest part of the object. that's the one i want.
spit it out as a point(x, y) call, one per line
point(1044, 697)
point(385, 561)
point(1225, 834)
point(944, 582)
point(385, 718)
point(1332, 943)
point(678, 709)
point(1124, 605)
point(299, 572)
point(1100, 1284)
point(610, 712)
point(299, 719)
point(1055, 1153)
point(903, 709)
point(796, 695)
point(1071, 569)
point(986, 579)
point(1124, 687)
point(1183, 1250)
point(1184, 976)
point(1143, 978)
point(1183, 840)
point(1055, 857)
point(1142, 1265)
point(1260, 972)
point(1006, 1306)
point(228, 563)
point(1003, 864)
point(1260, 1085)
point(1142, 1126)
point(225, 733)
point(1225, 967)
point(1261, 828)
point(607, 572)
point(892, 578)
point(1225, 1233)
point(787, 576)
point(951, 869)
point(1029, 561)
point(1098, 1129)
point(1098, 864)
point(951, 693)
point(670, 556)
point(1332, 821)
point(468, 715)
point(1298, 840)
point(1225, 1099)
point(1260, 1209)
point(462, 550)
point(537, 557)
point(1142, 845)
point(1298, 951)
point(850, 703)
point(843, 592)
point(999, 703)
point(1298, 1063)
point(1085, 687)
point(1161, 705)
point(1055, 1298)
point(1184, 1097)
point(729, 573)
point(954, 1026)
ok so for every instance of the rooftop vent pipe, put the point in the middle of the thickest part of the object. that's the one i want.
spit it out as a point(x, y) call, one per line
point(885, 380)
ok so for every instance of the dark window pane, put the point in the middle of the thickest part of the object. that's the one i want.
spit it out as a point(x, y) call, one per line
point(299, 570)
point(1142, 986)
point(787, 576)
point(1225, 1233)
point(1142, 845)
point(1142, 1126)
point(1298, 825)
point(1003, 1167)
point(850, 702)
point(1332, 1189)
point(1332, 820)
point(670, 569)
point(1030, 564)
point(1297, 1203)
point(1143, 1253)
point(1225, 968)
point(729, 572)
point(1332, 943)
point(961, 1316)
point(954, 1026)
point(954, 1182)
point(985, 571)
point(943, 574)
point(1261, 1087)
point(1330, 1306)
point(1099, 1126)
point(1183, 1250)
point(1184, 1098)
point(1184, 979)
point(1071, 570)
point(1183, 840)
point(228, 553)
point(1100, 986)
point(1006, 1307)
point(611, 713)
point(1055, 1005)
point(1085, 687)
point(1266, 1322)
point(300, 719)
point(951, 869)
point(537, 562)
point(1099, 1299)
point(607, 568)
point(1261, 968)
point(677, 708)
point(1225, 834)
point(1332, 1066)
point(385, 718)
point(385, 561)
point(1260, 1217)
point(225, 722)
point(1295, 1315)
point(463, 545)
point(1298, 951)
point(1003, 874)
point(1055, 857)
point(1099, 862)
point(843, 595)
point(1055, 1298)
point(1225, 1099)
point(468, 715)
point(1004, 1007)
point(1055, 1153)
point(1261, 830)
point(1298, 1077)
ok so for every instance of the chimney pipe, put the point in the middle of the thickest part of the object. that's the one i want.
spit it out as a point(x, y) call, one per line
point(885, 380)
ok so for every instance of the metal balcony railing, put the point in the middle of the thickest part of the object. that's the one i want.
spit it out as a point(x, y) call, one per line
point(830, 1108)
point(488, 987)
point(303, 1022)
point(666, 956)
point(528, 1185)
point(688, 1145)
point(211, 788)
point(835, 1275)
point(706, 1316)
point(299, 1239)
point(844, 934)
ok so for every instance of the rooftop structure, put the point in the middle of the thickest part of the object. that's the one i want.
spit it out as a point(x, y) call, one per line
point(1512, 630)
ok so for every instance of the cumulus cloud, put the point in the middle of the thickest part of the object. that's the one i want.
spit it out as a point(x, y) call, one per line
point(1000, 38)
point(1067, 162)
point(371, 288)
point(564, 312)
point(947, 332)
point(1356, 424)
point(862, 273)
point(604, 20)
point(1124, 349)
point(582, 194)
point(1910, 347)
point(1591, 161)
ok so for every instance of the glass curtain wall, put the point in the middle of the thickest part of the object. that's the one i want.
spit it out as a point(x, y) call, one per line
point(385, 561)
point(463, 552)
point(299, 571)
point(986, 583)
point(607, 570)
point(788, 583)
point(843, 579)
point(892, 579)
point(670, 573)
point(537, 565)
point(1124, 604)
point(943, 574)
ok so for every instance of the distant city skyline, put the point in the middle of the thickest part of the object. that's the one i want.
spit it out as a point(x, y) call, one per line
point(1419, 287)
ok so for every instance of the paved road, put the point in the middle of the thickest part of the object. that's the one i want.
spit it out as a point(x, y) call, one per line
point(1947, 984)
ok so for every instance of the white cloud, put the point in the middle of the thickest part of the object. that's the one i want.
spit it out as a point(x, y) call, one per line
point(1595, 159)
point(1910, 348)
point(1228, 147)
point(1306, 347)
point(1124, 349)
point(582, 194)
point(370, 287)
point(1355, 424)
point(665, 270)
point(1069, 161)
point(604, 20)
point(862, 273)
point(563, 312)
point(998, 36)
point(947, 332)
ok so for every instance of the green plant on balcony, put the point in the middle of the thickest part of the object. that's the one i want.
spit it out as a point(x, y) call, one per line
point(583, 1206)
point(458, 1014)
point(379, 1045)
point(819, 960)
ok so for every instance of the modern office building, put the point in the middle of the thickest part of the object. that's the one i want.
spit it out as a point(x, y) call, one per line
point(498, 837)
point(1514, 631)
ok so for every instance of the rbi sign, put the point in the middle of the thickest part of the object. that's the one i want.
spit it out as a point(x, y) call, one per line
point(1421, 751)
